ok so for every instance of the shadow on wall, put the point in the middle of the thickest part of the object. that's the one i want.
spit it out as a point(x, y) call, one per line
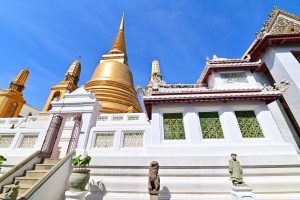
point(164, 194)
point(97, 190)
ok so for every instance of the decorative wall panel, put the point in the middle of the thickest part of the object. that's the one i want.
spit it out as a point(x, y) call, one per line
point(133, 117)
point(173, 126)
point(28, 141)
point(104, 140)
point(210, 125)
point(249, 125)
point(133, 140)
point(234, 77)
point(6, 140)
point(102, 118)
point(118, 118)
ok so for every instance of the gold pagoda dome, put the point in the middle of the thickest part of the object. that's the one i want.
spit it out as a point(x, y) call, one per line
point(112, 81)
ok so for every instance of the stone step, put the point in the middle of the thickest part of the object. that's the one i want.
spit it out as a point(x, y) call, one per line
point(51, 161)
point(22, 188)
point(26, 180)
point(36, 173)
point(43, 166)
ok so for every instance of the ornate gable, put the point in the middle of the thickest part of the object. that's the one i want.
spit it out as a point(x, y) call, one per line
point(278, 23)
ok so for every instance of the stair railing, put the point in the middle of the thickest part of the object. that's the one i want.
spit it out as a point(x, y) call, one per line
point(75, 133)
point(51, 136)
point(53, 183)
point(19, 169)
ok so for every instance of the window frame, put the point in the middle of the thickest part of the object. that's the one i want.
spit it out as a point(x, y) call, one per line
point(201, 130)
point(163, 127)
point(260, 127)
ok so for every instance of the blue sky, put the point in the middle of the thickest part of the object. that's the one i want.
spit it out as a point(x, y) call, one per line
point(47, 36)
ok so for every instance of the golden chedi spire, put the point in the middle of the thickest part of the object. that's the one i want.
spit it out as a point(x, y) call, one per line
point(69, 84)
point(112, 81)
point(11, 99)
point(119, 45)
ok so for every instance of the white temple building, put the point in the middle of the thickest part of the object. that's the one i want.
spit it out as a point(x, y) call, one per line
point(247, 106)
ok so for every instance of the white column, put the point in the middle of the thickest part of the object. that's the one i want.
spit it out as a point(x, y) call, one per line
point(15, 141)
point(242, 193)
point(117, 140)
point(56, 148)
point(285, 126)
point(267, 124)
point(230, 126)
point(192, 126)
point(283, 65)
point(88, 121)
point(156, 127)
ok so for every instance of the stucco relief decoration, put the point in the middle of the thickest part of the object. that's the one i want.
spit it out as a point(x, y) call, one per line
point(285, 26)
point(280, 26)
point(104, 140)
point(133, 139)
point(140, 91)
point(6, 140)
point(281, 86)
point(28, 141)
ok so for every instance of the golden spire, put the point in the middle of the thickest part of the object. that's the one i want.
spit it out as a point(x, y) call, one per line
point(119, 45)
point(69, 84)
point(22, 77)
point(19, 83)
point(112, 81)
point(11, 99)
point(73, 73)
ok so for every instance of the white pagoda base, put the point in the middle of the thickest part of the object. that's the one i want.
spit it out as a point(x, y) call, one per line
point(70, 195)
point(242, 193)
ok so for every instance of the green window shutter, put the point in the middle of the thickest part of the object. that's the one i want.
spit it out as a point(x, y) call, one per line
point(248, 124)
point(173, 126)
point(210, 125)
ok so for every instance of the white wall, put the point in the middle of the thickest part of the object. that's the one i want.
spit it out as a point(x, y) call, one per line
point(216, 82)
point(233, 139)
point(283, 66)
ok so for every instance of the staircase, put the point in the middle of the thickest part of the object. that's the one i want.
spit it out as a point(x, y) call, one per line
point(33, 176)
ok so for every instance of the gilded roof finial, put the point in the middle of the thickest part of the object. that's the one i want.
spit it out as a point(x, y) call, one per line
point(119, 46)
point(22, 77)
point(122, 23)
point(19, 83)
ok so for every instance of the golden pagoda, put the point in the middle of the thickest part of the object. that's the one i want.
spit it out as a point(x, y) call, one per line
point(112, 81)
point(69, 84)
point(11, 99)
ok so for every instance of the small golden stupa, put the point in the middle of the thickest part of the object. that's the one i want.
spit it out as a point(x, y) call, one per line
point(11, 99)
point(112, 81)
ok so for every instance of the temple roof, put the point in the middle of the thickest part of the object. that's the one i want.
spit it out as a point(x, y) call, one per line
point(281, 27)
point(278, 23)
point(228, 65)
point(191, 93)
